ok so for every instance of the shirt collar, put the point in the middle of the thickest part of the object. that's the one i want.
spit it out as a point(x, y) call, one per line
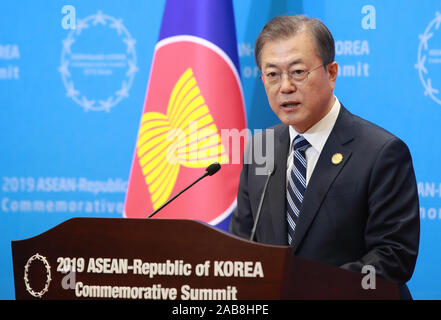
point(319, 132)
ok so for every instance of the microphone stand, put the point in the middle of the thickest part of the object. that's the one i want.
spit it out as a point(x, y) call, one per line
point(259, 208)
point(177, 195)
point(209, 171)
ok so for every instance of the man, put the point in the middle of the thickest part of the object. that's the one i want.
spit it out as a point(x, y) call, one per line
point(343, 190)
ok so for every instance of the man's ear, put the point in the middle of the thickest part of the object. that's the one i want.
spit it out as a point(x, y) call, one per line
point(333, 71)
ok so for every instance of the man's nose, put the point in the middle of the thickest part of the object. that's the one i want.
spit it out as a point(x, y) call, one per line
point(286, 84)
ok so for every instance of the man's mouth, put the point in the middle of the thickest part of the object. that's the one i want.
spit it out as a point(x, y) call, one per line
point(289, 104)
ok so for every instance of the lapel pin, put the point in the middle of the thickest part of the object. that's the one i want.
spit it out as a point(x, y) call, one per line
point(337, 158)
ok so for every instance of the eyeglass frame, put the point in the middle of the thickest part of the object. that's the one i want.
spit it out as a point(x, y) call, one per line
point(290, 76)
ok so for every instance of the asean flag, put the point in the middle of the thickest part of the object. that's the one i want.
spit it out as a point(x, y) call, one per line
point(193, 116)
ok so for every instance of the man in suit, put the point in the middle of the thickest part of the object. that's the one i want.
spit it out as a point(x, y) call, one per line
point(343, 190)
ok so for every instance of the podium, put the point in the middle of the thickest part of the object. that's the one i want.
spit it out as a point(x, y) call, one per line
point(163, 259)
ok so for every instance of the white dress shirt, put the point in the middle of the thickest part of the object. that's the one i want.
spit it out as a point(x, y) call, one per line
point(316, 136)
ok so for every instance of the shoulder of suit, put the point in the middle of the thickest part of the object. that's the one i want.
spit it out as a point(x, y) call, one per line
point(367, 130)
point(276, 130)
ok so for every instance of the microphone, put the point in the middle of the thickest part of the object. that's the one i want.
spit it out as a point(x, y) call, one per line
point(271, 171)
point(212, 169)
point(209, 171)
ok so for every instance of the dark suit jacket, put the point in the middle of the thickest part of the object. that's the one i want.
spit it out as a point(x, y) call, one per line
point(362, 211)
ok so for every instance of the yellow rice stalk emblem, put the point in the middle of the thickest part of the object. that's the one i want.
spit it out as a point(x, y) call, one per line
point(186, 136)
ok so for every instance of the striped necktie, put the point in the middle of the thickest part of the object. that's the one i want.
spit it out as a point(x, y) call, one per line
point(296, 185)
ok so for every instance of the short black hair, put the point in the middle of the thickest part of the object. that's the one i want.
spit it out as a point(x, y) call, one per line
point(283, 27)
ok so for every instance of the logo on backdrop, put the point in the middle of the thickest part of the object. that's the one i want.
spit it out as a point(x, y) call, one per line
point(98, 62)
point(429, 59)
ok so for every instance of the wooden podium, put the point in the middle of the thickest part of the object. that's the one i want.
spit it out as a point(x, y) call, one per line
point(106, 258)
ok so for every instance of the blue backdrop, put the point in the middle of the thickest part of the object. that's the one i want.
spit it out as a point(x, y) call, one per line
point(71, 101)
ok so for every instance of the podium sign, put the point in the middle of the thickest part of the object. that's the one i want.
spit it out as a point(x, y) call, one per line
point(157, 259)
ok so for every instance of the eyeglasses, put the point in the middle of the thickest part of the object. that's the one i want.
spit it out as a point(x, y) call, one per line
point(298, 76)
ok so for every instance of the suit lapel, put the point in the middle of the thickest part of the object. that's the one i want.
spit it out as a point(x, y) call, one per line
point(325, 172)
point(277, 186)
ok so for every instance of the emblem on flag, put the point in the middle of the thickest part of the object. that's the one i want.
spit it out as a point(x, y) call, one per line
point(185, 136)
point(193, 100)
